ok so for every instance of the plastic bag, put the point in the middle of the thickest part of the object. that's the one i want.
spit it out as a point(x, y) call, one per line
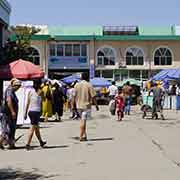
point(4, 126)
point(112, 107)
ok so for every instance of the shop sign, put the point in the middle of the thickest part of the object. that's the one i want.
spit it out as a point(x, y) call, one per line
point(68, 62)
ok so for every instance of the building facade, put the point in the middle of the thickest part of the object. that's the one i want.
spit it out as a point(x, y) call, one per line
point(5, 10)
point(113, 52)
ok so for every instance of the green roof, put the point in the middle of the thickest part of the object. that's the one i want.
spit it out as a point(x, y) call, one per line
point(88, 33)
point(75, 31)
point(156, 31)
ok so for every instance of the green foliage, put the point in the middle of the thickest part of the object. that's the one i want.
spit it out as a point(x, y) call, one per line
point(20, 47)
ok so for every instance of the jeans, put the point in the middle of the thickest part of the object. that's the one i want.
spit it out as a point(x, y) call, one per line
point(127, 108)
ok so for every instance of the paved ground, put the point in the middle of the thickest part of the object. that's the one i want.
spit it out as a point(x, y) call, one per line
point(134, 149)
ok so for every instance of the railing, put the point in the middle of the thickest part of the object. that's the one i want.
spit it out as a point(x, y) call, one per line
point(120, 30)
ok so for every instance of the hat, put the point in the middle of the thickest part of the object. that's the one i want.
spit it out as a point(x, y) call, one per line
point(15, 82)
point(56, 82)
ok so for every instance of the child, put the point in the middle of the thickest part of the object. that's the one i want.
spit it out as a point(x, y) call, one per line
point(120, 104)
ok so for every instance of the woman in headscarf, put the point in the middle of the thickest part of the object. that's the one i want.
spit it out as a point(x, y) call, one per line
point(11, 111)
point(46, 101)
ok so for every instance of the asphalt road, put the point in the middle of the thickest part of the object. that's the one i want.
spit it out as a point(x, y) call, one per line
point(134, 149)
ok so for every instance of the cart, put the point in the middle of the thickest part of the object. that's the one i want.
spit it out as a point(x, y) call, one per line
point(147, 105)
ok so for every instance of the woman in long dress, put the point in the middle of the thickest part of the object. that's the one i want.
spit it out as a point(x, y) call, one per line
point(46, 101)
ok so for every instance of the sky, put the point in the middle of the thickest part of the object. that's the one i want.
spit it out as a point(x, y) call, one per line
point(95, 12)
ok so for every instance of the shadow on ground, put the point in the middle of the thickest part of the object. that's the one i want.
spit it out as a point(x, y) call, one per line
point(11, 174)
point(54, 147)
point(95, 139)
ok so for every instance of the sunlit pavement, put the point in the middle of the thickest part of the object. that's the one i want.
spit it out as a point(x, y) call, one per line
point(134, 149)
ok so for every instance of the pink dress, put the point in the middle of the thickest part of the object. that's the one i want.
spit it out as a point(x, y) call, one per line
point(119, 105)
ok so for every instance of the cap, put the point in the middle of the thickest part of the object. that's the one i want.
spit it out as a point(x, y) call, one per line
point(15, 82)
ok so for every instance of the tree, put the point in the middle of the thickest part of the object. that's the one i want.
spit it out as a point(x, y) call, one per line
point(19, 47)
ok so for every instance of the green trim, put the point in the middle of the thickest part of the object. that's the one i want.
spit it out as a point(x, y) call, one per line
point(41, 37)
point(74, 38)
point(33, 37)
point(135, 38)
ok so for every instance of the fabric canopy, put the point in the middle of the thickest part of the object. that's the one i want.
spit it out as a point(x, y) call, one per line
point(20, 69)
point(167, 74)
point(71, 79)
point(174, 74)
point(100, 82)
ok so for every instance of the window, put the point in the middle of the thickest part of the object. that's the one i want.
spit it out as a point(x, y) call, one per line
point(135, 74)
point(162, 56)
point(60, 50)
point(107, 74)
point(52, 49)
point(83, 50)
point(68, 49)
point(106, 56)
point(134, 56)
point(34, 56)
point(76, 50)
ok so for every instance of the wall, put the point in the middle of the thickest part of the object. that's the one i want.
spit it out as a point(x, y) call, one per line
point(147, 46)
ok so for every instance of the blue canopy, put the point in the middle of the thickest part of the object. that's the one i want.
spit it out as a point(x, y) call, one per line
point(100, 82)
point(71, 79)
point(167, 74)
point(161, 75)
point(174, 74)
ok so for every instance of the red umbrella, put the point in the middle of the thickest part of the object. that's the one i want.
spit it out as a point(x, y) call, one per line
point(20, 69)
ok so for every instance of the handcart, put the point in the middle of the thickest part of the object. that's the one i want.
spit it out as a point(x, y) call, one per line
point(147, 106)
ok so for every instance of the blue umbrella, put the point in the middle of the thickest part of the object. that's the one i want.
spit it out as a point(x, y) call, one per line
point(100, 82)
point(71, 79)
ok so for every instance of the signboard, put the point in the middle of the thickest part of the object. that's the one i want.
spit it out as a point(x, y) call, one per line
point(68, 62)
point(92, 69)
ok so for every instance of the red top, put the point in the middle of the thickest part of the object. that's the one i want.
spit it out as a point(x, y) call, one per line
point(119, 102)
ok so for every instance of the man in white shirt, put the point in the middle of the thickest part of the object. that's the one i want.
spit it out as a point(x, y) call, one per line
point(112, 90)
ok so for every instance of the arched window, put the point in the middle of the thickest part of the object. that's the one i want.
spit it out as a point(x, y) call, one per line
point(134, 56)
point(34, 56)
point(106, 56)
point(162, 56)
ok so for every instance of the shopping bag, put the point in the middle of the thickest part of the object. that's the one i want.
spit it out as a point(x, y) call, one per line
point(112, 107)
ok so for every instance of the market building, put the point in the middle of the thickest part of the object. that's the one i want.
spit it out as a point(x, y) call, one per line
point(5, 10)
point(113, 52)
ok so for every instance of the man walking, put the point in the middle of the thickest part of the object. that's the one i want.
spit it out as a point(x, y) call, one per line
point(157, 101)
point(127, 91)
point(84, 97)
point(113, 90)
point(11, 109)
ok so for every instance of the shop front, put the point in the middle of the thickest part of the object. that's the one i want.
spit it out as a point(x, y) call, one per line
point(67, 58)
point(122, 74)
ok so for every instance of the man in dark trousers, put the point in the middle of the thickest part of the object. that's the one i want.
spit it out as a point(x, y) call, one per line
point(157, 101)
point(11, 109)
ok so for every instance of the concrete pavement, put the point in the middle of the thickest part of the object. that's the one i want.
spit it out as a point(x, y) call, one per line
point(134, 149)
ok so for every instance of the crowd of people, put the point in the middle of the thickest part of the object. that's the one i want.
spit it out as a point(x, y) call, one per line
point(50, 98)
point(44, 100)
point(121, 97)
